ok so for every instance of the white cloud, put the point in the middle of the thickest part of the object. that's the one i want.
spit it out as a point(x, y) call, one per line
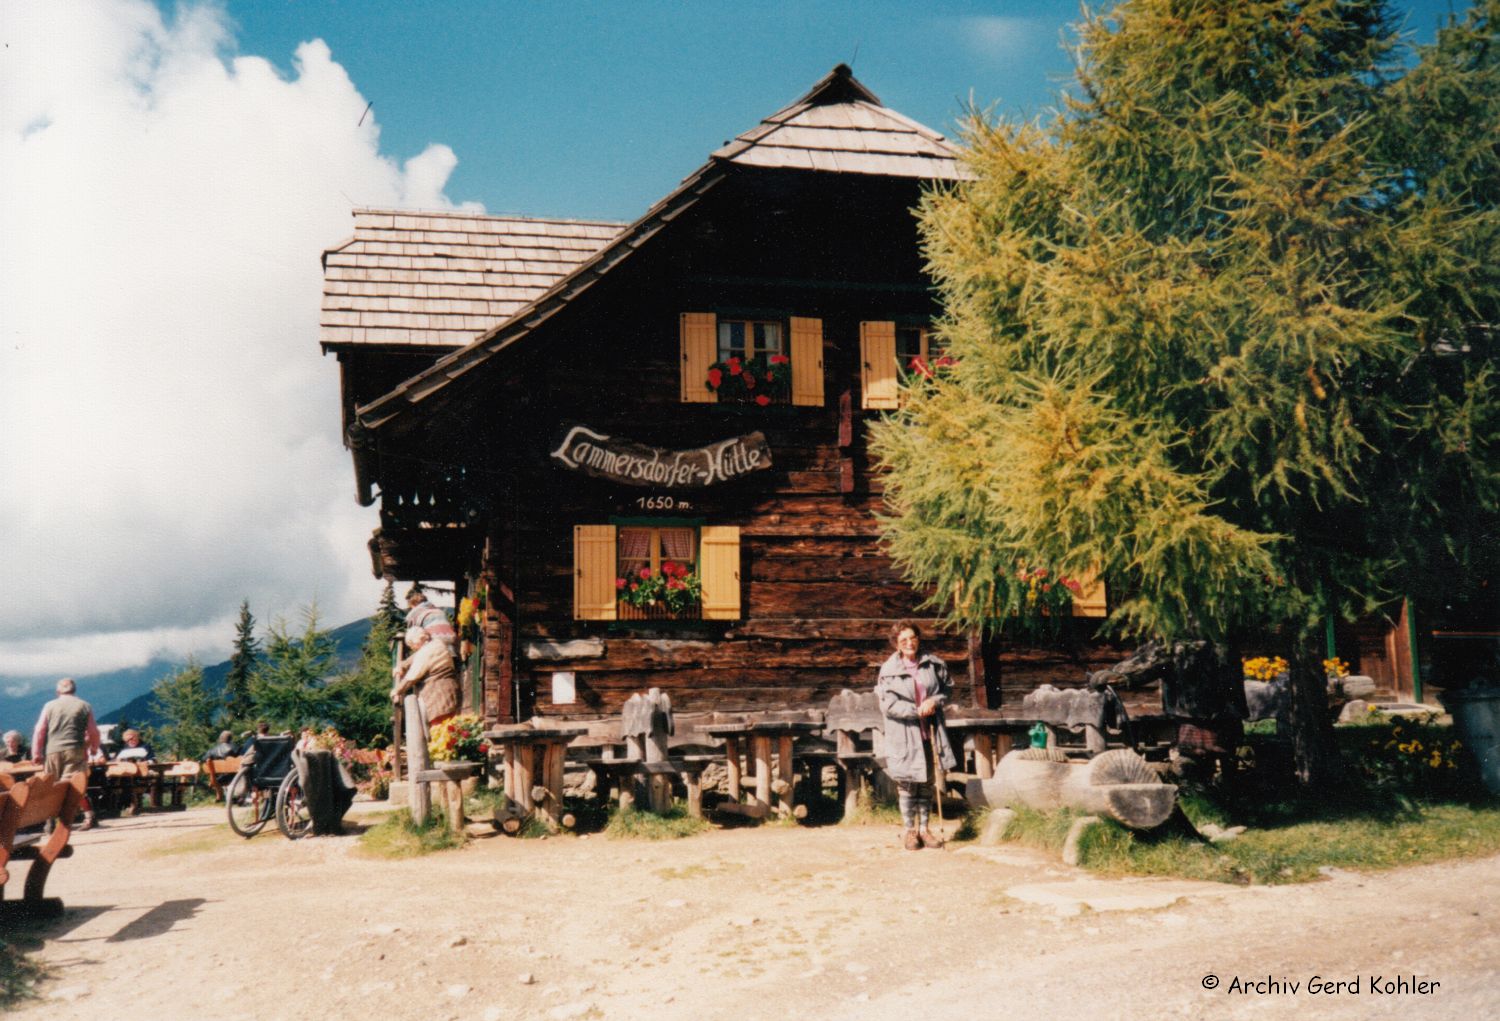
point(998, 38)
point(169, 431)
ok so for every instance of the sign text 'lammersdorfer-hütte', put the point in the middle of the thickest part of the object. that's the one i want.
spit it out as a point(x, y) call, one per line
point(635, 464)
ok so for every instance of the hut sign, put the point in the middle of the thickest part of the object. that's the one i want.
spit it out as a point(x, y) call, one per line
point(634, 464)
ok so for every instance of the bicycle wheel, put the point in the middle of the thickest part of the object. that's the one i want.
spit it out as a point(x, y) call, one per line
point(246, 805)
point(292, 815)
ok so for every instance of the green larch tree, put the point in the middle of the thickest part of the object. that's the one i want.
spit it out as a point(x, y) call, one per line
point(1222, 331)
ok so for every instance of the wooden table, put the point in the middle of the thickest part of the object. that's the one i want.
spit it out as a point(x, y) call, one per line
point(534, 755)
point(992, 735)
point(449, 778)
point(759, 737)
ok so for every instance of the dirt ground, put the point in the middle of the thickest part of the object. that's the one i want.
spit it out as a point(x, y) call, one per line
point(171, 916)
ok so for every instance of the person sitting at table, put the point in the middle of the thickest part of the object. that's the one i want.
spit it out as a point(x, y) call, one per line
point(429, 671)
point(135, 750)
point(224, 749)
point(14, 751)
point(913, 687)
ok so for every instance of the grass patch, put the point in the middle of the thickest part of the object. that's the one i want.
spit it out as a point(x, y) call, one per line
point(673, 824)
point(870, 812)
point(19, 975)
point(484, 803)
point(396, 836)
point(215, 838)
point(1291, 852)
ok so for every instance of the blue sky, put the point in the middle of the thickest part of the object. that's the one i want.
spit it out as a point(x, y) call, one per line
point(598, 109)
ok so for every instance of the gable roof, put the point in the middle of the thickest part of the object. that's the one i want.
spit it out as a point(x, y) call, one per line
point(840, 126)
point(440, 279)
point(837, 98)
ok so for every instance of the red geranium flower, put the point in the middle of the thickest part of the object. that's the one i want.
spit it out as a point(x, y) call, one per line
point(619, 583)
point(945, 361)
point(669, 568)
point(734, 366)
point(1041, 572)
point(919, 365)
point(1073, 586)
point(762, 400)
point(749, 378)
point(645, 573)
point(715, 378)
point(778, 359)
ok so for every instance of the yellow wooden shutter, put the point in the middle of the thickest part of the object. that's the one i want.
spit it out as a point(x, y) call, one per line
point(1090, 602)
point(700, 343)
point(593, 572)
point(807, 362)
point(719, 552)
point(877, 373)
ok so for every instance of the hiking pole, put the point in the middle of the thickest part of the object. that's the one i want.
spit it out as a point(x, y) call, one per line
point(938, 782)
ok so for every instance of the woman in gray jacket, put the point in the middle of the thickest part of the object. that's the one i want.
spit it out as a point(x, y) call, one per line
point(913, 688)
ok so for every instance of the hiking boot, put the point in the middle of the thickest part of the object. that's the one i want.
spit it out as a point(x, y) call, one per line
point(913, 842)
point(930, 839)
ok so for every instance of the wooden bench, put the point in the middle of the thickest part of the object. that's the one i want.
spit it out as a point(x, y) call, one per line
point(858, 730)
point(220, 773)
point(33, 803)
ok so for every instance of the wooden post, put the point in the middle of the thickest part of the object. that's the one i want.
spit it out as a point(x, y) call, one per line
point(761, 749)
point(525, 771)
point(416, 759)
point(659, 721)
point(732, 767)
point(692, 778)
point(551, 808)
point(396, 717)
point(788, 771)
point(853, 775)
point(984, 755)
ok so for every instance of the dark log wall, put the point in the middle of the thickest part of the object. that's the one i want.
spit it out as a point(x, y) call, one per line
point(818, 595)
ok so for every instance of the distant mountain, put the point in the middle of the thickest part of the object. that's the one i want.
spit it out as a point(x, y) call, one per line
point(347, 640)
point(127, 692)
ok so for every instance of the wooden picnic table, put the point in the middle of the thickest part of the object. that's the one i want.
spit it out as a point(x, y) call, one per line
point(534, 754)
point(759, 736)
point(991, 734)
point(153, 779)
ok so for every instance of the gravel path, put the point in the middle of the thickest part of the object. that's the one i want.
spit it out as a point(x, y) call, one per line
point(171, 916)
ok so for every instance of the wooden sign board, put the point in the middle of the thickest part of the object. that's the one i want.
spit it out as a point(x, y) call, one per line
point(627, 463)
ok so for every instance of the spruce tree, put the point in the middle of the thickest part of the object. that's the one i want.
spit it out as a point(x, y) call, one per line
point(1220, 333)
point(360, 701)
point(288, 684)
point(237, 700)
point(188, 710)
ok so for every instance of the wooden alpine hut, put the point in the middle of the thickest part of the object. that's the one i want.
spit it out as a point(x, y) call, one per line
point(555, 415)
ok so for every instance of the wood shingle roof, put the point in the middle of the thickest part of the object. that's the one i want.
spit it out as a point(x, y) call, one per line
point(838, 126)
point(441, 279)
point(841, 127)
